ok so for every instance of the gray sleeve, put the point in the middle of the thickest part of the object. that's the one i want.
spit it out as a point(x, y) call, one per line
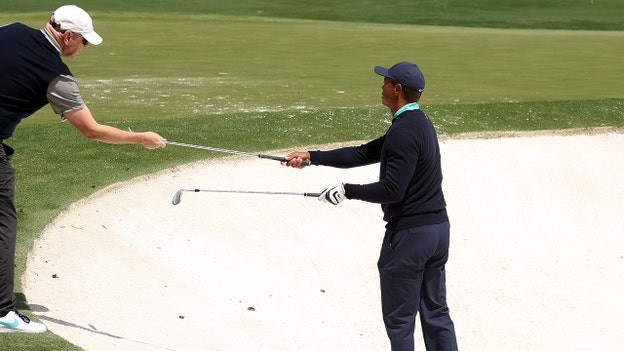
point(64, 95)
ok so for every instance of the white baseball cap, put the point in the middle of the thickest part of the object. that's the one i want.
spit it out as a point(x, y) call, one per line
point(72, 17)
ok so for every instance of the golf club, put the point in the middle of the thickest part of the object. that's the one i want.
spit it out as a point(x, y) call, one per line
point(177, 197)
point(277, 158)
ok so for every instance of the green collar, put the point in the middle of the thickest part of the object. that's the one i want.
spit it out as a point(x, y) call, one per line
point(408, 107)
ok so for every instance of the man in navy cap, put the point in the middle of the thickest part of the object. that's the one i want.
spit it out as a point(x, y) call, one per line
point(33, 75)
point(416, 242)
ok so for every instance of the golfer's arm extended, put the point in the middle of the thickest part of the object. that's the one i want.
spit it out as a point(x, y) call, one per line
point(83, 121)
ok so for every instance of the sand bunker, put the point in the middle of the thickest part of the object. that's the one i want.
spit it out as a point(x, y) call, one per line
point(537, 255)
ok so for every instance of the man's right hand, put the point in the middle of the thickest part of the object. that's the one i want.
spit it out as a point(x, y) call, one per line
point(295, 159)
point(151, 140)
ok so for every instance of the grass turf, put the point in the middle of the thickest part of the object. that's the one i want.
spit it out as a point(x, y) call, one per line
point(557, 14)
point(253, 83)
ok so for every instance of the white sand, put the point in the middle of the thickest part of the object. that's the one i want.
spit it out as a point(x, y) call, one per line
point(537, 255)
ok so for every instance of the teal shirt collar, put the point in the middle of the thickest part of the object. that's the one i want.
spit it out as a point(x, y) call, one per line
point(408, 107)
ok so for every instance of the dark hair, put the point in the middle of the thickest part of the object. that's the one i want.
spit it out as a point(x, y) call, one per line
point(410, 95)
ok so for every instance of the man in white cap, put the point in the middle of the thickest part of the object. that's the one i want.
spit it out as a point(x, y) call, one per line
point(416, 242)
point(33, 75)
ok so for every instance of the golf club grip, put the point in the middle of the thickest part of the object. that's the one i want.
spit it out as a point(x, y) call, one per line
point(281, 159)
point(312, 194)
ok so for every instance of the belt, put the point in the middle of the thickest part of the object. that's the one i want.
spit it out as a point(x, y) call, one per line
point(8, 151)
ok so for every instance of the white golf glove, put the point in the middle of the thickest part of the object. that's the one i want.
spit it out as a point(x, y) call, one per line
point(334, 195)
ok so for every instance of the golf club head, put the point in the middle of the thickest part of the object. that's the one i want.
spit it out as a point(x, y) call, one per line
point(177, 197)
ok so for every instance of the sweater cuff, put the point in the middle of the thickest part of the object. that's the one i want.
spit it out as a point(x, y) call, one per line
point(316, 158)
point(351, 191)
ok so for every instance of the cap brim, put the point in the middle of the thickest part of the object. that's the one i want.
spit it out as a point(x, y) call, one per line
point(93, 38)
point(382, 71)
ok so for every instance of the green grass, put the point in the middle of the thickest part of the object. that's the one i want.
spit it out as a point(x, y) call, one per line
point(557, 14)
point(193, 68)
point(263, 81)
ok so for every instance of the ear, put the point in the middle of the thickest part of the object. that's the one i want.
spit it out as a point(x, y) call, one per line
point(67, 36)
point(398, 89)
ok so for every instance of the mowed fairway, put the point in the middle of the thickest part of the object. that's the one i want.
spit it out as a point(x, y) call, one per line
point(259, 83)
point(174, 66)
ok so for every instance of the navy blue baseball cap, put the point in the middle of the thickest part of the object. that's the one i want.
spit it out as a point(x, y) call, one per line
point(406, 73)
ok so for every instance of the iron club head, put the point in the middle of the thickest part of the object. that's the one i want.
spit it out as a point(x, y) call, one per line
point(177, 197)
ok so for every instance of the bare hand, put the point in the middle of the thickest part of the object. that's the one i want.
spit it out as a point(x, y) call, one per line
point(295, 159)
point(151, 140)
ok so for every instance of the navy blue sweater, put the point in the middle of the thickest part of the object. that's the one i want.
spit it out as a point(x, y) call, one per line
point(410, 175)
point(28, 63)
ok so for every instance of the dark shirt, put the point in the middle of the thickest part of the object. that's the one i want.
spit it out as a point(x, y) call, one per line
point(28, 63)
point(410, 173)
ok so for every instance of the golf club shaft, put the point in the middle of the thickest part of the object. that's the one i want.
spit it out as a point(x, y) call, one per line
point(178, 195)
point(218, 149)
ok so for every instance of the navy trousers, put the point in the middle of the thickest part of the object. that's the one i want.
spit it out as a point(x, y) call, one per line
point(413, 280)
point(8, 231)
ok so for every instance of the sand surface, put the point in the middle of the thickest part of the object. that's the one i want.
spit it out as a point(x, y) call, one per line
point(537, 255)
